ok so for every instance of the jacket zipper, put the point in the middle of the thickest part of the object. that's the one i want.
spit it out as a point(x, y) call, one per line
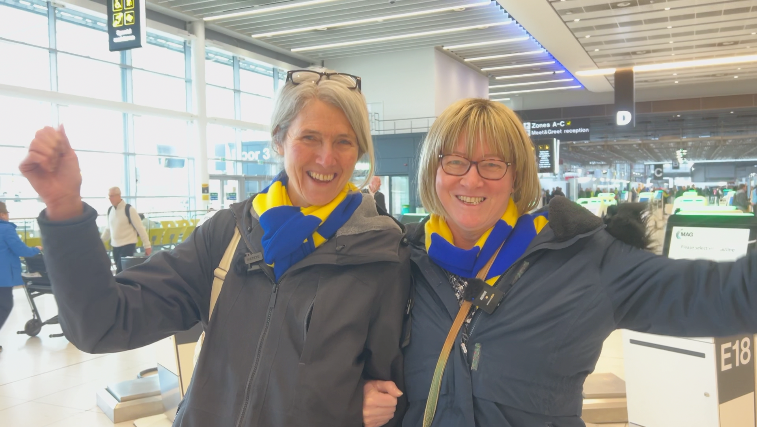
point(263, 335)
point(258, 354)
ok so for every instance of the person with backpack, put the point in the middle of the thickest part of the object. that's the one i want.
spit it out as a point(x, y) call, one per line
point(122, 226)
point(11, 248)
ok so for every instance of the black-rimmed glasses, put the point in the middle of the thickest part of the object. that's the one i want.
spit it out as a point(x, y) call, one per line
point(455, 165)
point(310, 76)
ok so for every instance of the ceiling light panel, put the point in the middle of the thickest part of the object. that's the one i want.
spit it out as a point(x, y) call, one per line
point(518, 76)
point(527, 65)
point(507, 55)
point(266, 9)
point(536, 90)
point(399, 37)
point(379, 19)
point(541, 82)
point(699, 29)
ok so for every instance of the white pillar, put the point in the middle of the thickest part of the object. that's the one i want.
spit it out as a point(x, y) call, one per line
point(198, 82)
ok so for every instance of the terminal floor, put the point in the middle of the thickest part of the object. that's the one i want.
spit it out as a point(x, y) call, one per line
point(48, 382)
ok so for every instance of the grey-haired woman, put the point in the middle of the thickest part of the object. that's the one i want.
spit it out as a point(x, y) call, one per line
point(313, 305)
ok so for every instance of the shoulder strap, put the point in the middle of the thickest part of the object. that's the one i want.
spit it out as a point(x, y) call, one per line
point(436, 381)
point(128, 216)
point(109, 209)
point(223, 268)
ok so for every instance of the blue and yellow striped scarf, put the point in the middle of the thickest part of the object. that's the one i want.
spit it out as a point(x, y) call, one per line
point(291, 233)
point(516, 232)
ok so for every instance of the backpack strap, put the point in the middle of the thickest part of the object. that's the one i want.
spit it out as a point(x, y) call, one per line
point(223, 268)
point(219, 276)
point(128, 216)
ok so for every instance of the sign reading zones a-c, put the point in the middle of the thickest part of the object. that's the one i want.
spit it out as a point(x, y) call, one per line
point(126, 26)
point(564, 130)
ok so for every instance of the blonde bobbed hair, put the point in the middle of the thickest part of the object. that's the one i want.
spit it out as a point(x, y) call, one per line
point(293, 98)
point(502, 132)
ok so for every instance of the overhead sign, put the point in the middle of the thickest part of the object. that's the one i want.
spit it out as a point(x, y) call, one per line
point(657, 171)
point(126, 24)
point(564, 130)
point(625, 97)
point(547, 154)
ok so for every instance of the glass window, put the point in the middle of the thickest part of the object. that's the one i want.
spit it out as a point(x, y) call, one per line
point(219, 102)
point(99, 172)
point(31, 66)
point(221, 146)
point(163, 59)
point(15, 190)
point(20, 119)
point(400, 195)
point(159, 136)
point(93, 129)
point(257, 83)
point(160, 91)
point(85, 77)
point(83, 40)
point(158, 178)
point(219, 70)
point(256, 109)
point(23, 25)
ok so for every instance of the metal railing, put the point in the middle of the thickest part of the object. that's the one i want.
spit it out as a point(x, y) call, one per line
point(399, 126)
point(28, 228)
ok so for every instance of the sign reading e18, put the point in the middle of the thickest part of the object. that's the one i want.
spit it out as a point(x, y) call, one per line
point(739, 350)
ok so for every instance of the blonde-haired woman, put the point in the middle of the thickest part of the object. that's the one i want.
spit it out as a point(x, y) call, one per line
point(313, 305)
point(557, 282)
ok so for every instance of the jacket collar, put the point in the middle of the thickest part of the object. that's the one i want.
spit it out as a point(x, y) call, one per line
point(7, 223)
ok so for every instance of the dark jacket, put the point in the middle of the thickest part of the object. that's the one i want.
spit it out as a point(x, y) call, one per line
point(11, 248)
point(292, 353)
point(573, 286)
point(741, 200)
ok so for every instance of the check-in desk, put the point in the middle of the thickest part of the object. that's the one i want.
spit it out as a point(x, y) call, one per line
point(689, 382)
point(694, 382)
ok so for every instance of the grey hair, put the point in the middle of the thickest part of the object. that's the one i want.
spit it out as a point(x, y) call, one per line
point(293, 98)
point(115, 190)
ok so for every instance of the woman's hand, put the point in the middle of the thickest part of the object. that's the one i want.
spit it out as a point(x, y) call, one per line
point(52, 168)
point(379, 402)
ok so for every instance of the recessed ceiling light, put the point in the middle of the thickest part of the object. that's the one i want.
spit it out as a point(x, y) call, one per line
point(731, 112)
point(754, 33)
point(669, 27)
point(738, 68)
point(537, 90)
point(397, 37)
point(482, 58)
point(735, 77)
point(256, 10)
point(672, 54)
point(507, 67)
point(678, 115)
point(588, 36)
point(670, 41)
point(531, 83)
point(675, 74)
point(624, 4)
point(577, 19)
point(667, 8)
point(676, 81)
point(675, 65)
point(461, 46)
point(596, 50)
point(529, 75)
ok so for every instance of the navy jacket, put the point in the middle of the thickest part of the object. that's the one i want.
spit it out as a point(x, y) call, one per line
point(11, 248)
point(573, 286)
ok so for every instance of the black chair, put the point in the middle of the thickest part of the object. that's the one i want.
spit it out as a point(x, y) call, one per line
point(37, 284)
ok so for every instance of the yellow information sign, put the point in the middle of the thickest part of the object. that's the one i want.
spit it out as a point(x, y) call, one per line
point(129, 18)
point(117, 5)
point(118, 19)
point(129, 4)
